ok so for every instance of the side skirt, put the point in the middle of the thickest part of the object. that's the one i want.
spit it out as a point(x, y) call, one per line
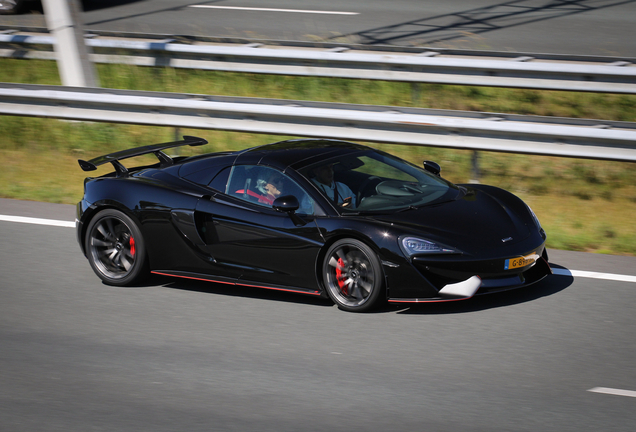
point(228, 281)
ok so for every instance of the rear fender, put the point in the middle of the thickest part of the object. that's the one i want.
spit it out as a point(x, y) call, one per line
point(90, 212)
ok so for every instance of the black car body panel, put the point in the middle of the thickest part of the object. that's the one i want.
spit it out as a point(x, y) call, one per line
point(196, 223)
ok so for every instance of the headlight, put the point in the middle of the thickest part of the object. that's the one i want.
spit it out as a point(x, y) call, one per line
point(415, 245)
point(534, 217)
point(536, 221)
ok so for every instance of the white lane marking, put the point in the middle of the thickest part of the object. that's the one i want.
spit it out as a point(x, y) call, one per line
point(594, 275)
point(37, 221)
point(612, 391)
point(275, 10)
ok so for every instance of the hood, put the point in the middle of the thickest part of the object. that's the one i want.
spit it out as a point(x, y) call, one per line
point(474, 220)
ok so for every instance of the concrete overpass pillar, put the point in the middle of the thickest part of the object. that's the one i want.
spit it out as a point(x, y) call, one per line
point(64, 22)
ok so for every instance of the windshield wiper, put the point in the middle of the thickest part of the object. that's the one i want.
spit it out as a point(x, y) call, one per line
point(410, 207)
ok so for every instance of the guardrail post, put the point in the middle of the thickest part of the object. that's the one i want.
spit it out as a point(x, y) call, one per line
point(63, 20)
point(416, 93)
point(474, 171)
point(177, 137)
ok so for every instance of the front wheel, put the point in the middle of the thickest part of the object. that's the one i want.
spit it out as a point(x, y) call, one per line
point(353, 275)
point(115, 248)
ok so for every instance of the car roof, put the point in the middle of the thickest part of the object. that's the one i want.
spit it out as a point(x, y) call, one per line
point(297, 153)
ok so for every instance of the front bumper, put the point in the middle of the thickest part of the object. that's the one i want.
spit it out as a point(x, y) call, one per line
point(454, 278)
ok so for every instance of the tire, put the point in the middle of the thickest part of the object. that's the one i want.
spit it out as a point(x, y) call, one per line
point(115, 248)
point(353, 276)
point(10, 7)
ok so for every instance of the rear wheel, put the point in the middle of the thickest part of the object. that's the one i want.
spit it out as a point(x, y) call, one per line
point(353, 275)
point(115, 248)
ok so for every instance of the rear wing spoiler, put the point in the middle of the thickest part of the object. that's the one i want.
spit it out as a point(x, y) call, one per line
point(164, 159)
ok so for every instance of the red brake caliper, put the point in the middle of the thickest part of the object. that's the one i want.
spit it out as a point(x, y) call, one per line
point(132, 247)
point(339, 277)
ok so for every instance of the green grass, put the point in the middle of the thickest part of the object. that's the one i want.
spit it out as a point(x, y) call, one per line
point(584, 205)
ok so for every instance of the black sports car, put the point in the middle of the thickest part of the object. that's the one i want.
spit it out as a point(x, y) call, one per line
point(319, 217)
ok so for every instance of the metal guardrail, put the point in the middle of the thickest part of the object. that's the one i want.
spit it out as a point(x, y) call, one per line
point(496, 69)
point(397, 125)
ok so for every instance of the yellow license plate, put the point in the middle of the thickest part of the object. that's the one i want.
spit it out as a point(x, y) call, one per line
point(514, 263)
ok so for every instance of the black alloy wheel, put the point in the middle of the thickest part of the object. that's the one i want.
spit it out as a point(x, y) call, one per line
point(115, 248)
point(352, 275)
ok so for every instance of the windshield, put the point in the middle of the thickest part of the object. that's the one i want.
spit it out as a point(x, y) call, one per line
point(373, 181)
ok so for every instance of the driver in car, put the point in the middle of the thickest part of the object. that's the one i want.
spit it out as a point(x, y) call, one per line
point(336, 191)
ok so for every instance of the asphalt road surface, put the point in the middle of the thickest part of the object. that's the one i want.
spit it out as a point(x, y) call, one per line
point(77, 355)
point(596, 27)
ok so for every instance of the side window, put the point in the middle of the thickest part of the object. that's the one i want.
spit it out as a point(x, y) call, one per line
point(262, 185)
point(219, 182)
point(204, 176)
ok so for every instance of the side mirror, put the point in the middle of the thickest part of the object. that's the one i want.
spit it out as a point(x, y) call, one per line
point(432, 167)
point(289, 204)
point(286, 204)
